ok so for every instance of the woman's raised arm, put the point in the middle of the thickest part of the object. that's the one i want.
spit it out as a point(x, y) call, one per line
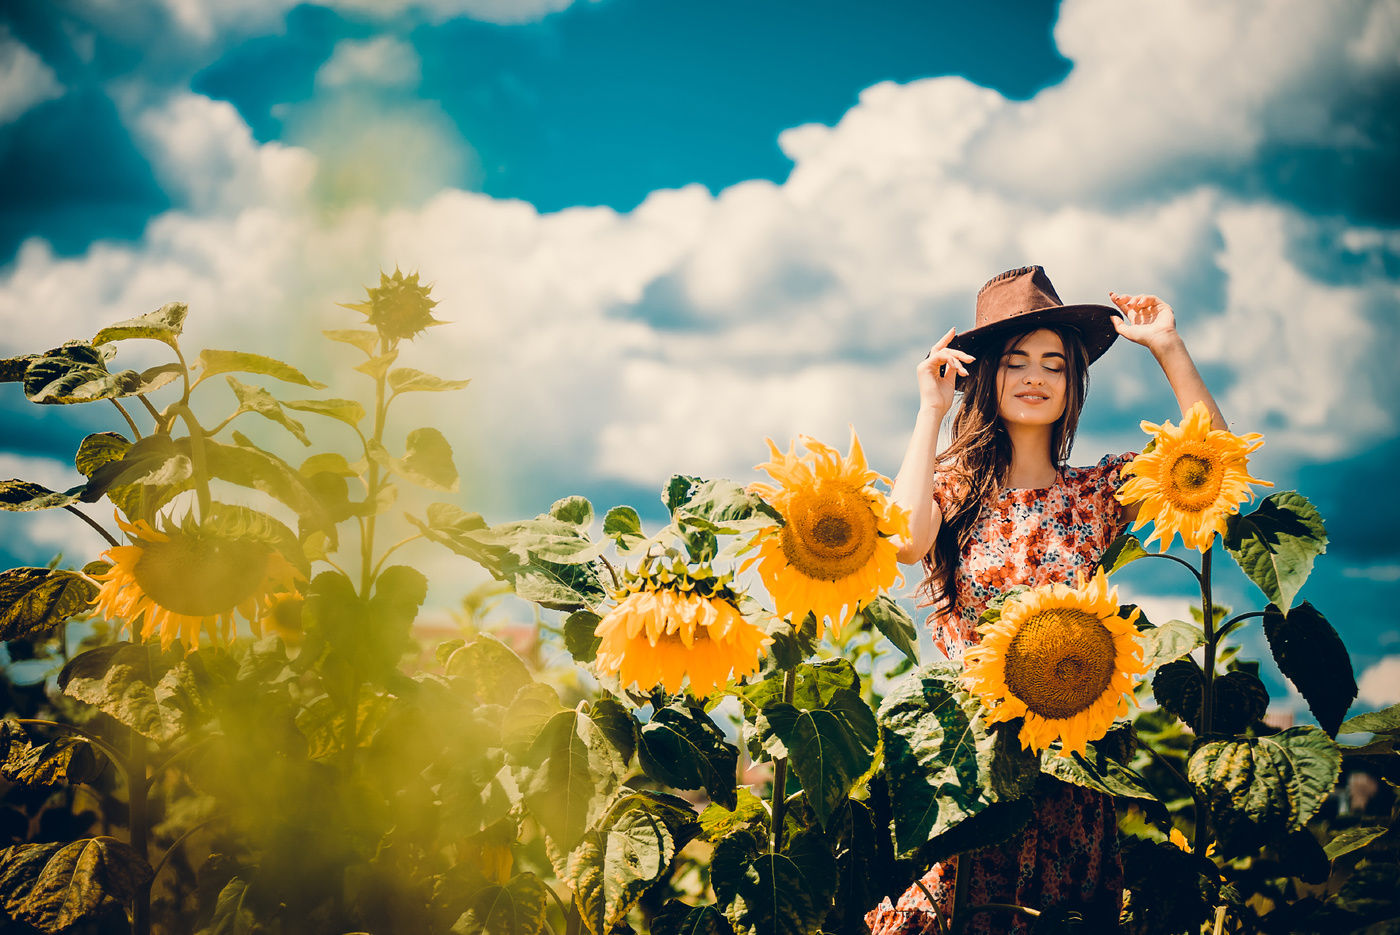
point(1149, 321)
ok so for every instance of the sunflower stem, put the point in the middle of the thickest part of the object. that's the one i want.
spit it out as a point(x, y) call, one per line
point(169, 851)
point(780, 771)
point(1180, 561)
point(1207, 687)
point(127, 416)
point(197, 455)
point(372, 483)
point(93, 523)
point(138, 788)
point(1234, 622)
point(390, 551)
point(962, 879)
point(155, 413)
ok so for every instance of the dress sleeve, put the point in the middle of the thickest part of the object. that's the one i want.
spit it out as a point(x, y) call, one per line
point(1108, 479)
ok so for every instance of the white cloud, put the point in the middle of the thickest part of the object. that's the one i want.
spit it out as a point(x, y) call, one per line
point(1384, 573)
point(504, 12)
point(1379, 685)
point(25, 80)
point(384, 61)
point(43, 534)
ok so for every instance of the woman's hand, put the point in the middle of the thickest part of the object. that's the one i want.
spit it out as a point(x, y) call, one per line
point(1147, 320)
point(938, 374)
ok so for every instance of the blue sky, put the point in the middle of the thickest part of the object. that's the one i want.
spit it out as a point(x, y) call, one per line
point(666, 229)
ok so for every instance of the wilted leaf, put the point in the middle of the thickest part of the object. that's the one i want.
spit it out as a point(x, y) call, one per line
point(345, 410)
point(214, 362)
point(164, 324)
point(39, 598)
point(1314, 658)
point(408, 380)
point(22, 496)
point(1275, 544)
point(74, 880)
point(256, 399)
point(65, 760)
point(1260, 787)
point(76, 373)
point(160, 695)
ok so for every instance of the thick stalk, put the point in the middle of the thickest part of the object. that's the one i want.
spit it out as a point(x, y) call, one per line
point(137, 788)
point(780, 772)
point(372, 482)
point(962, 879)
point(201, 467)
point(1202, 835)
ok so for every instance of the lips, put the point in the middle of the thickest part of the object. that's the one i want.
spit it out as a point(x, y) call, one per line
point(1032, 397)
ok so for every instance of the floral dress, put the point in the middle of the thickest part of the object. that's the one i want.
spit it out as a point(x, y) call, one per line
point(1069, 851)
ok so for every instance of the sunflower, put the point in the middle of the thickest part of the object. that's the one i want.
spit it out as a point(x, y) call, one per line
point(1191, 479)
point(678, 623)
point(832, 554)
point(186, 578)
point(1061, 658)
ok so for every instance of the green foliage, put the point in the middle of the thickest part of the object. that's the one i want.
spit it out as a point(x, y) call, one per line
point(1169, 641)
point(1261, 787)
point(77, 373)
point(885, 615)
point(55, 886)
point(1122, 551)
point(164, 324)
point(22, 496)
point(427, 460)
point(39, 598)
point(775, 894)
point(1096, 769)
point(1276, 544)
point(517, 908)
point(1172, 891)
point(159, 694)
point(212, 362)
point(68, 759)
point(1314, 658)
point(829, 747)
point(683, 748)
point(678, 918)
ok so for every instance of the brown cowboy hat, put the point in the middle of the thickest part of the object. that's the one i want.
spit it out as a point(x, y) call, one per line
point(1023, 299)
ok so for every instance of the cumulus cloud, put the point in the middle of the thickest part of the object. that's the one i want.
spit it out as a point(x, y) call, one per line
point(1379, 685)
point(42, 535)
point(504, 12)
point(25, 80)
point(385, 61)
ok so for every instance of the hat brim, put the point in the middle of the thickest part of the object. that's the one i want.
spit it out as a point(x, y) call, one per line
point(1093, 322)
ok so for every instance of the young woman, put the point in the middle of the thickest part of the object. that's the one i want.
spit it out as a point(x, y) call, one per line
point(1001, 507)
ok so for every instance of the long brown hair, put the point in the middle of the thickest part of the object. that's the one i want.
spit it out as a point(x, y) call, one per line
point(980, 453)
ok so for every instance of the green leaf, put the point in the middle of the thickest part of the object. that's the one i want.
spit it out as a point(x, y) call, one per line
point(160, 695)
point(76, 373)
point(575, 511)
point(1178, 686)
point(829, 748)
point(489, 669)
point(99, 449)
point(814, 686)
point(1240, 697)
point(376, 367)
point(1353, 839)
point(256, 399)
point(232, 914)
point(748, 814)
point(251, 467)
point(156, 460)
point(581, 637)
point(164, 324)
point(1314, 658)
point(618, 725)
point(324, 723)
point(327, 462)
point(680, 918)
point(427, 460)
point(720, 503)
point(683, 748)
point(73, 881)
point(1095, 769)
point(613, 866)
point(784, 894)
point(567, 775)
point(408, 380)
point(1261, 787)
point(12, 368)
point(623, 526)
point(1275, 544)
point(38, 598)
point(366, 341)
point(214, 362)
point(1173, 891)
point(938, 753)
point(1124, 550)
point(22, 496)
point(994, 825)
point(1169, 642)
point(1384, 721)
point(529, 711)
point(885, 614)
point(859, 886)
point(65, 760)
point(517, 908)
point(345, 410)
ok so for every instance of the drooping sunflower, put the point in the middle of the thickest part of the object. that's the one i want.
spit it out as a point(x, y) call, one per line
point(832, 554)
point(1191, 480)
point(675, 623)
point(1061, 658)
point(185, 578)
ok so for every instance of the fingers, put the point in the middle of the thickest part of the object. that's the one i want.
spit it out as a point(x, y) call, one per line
point(943, 341)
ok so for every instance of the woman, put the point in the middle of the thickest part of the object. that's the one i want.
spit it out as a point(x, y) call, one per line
point(1000, 507)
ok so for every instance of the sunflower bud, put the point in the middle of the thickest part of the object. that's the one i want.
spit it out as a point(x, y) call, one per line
point(399, 308)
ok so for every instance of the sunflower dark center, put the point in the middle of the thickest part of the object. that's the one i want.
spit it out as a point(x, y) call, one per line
point(830, 533)
point(198, 576)
point(1193, 482)
point(1060, 662)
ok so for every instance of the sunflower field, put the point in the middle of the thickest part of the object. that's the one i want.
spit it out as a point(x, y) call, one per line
point(235, 728)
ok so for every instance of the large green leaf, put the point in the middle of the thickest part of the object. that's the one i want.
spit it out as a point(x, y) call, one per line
point(749, 813)
point(98, 449)
point(38, 598)
point(624, 526)
point(156, 460)
point(408, 380)
point(1353, 839)
point(567, 775)
point(781, 894)
point(158, 694)
point(581, 636)
point(517, 908)
point(22, 496)
point(1169, 642)
point(164, 324)
point(1384, 721)
point(214, 362)
point(12, 368)
point(1261, 787)
point(427, 460)
point(1276, 544)
point(618, 724)
point(527, 715)
point(1120, 552)
point(996, 824)
point(248, 466)
point(76, 373)
point(65, 760)
point(325, 723)
point(814, 685)
point(1314, 658)
point(856, 847)
point(256, 399)
point(490, 671)
point(722, 504)
point(1095, 769)
point(829, 748)
point(683, 748)
point(348, 411)
point(885, 614)
point(681, 918)
point(938, 753)
point(54, 886)
point(232, 913)
point(575, 511)
point(615, 864)
point(1240, 697)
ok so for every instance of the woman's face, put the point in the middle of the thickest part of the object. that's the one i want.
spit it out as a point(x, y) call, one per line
point(1031, 379)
